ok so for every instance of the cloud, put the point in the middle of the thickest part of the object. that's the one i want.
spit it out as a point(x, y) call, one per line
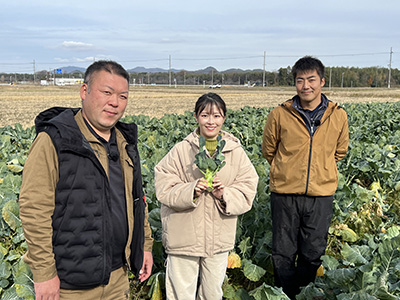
point(84, 60)
point(74, 59)
point(76, 46)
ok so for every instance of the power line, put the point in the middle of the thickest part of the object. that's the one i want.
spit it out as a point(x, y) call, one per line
point(12, 64)
point(355, 54)
point(199, 59)
point(218, 58)
point(193, 59)
point(283, 56)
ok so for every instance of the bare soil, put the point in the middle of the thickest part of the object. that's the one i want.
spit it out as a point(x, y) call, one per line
point(21, 103)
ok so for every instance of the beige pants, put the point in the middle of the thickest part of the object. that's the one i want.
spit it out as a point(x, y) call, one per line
point(116, 289)
point(188, 275)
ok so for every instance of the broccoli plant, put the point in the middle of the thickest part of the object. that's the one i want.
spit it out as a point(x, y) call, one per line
point(209, 166)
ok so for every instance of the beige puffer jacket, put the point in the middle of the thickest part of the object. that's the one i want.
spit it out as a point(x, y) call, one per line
point(203, 227)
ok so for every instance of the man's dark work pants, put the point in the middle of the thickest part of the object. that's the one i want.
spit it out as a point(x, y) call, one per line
point(300, 232)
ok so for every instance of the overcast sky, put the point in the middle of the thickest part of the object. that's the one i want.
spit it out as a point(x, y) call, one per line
point(196, 34)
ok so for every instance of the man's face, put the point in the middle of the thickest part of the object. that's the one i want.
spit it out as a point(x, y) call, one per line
point(104, 101)
point(308, 86)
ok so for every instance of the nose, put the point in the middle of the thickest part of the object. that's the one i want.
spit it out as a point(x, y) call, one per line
point(306, 85)
point(113, 100)
point(210, 119)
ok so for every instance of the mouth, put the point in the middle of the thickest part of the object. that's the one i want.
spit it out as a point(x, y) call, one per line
point(307, 94)
point(111, 113)
point(210, 128)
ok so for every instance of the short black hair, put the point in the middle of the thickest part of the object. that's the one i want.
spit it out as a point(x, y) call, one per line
point(105, 65)
point(308, 63)
point(210, 98)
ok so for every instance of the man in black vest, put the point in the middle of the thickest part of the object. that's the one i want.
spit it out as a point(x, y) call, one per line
point(82, 205)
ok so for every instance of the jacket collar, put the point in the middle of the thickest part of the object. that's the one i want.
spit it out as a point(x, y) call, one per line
point(124, 132)
point(323, 105)
point(58, 116)
point(84, 129)
point(330, 106)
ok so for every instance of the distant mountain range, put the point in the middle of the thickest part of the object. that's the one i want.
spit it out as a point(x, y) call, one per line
point(72, 69)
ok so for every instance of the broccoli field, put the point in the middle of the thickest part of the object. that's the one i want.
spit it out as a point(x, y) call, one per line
point(362, 260)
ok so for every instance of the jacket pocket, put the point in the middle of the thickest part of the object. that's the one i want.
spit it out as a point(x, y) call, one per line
point(178, 230)
point(228, 230)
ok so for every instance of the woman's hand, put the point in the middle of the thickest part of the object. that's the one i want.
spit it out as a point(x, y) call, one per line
point(218, 190)
point(200, 187)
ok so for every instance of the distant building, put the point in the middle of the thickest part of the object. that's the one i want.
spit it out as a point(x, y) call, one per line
point(68, 81)
point(62, 81)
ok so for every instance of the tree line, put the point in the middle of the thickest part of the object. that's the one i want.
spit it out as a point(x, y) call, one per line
point(334, 77)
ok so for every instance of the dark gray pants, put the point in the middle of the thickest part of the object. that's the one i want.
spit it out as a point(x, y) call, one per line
point(300, 232)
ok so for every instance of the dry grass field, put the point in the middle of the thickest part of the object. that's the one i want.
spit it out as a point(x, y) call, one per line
point(21, 103)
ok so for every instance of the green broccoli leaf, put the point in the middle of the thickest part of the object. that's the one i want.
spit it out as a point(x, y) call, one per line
point(209, 166)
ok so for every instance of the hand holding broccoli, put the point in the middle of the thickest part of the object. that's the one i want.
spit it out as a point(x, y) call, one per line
point(202, 186)
point(207, 165)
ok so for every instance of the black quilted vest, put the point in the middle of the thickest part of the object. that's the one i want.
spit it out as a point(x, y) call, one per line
point(82, 235)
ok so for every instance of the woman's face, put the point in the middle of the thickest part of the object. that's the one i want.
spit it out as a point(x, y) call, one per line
point(210, 121)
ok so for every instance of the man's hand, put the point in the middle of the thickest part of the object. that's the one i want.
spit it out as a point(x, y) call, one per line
point(145, 272)
point(48, 290)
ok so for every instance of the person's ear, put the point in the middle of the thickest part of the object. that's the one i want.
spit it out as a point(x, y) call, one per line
point(84, 90)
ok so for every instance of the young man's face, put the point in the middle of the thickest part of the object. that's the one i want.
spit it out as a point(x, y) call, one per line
point(308, 86)
point(104, 101)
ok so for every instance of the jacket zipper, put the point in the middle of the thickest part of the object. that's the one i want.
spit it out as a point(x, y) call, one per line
point(97, 163)
point(311, 133)
point(105, 237)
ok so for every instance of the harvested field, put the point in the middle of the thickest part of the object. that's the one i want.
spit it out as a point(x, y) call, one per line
point(21, 103)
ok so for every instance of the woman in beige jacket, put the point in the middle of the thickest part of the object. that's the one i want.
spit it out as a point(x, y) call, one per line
point(199, 226)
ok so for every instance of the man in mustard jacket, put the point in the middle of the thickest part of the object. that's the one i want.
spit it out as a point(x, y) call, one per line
point(82, 205)
point(303, 140)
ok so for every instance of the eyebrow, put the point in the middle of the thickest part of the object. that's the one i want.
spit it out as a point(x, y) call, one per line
point(309, 77)
point(124, 92)
point(211, 112)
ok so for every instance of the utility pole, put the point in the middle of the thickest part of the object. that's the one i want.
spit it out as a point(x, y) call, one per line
point(170, 70)
point(342, 79)
point(34, 72)
point(390, 67)
point(330, 77)
point(264, 70)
